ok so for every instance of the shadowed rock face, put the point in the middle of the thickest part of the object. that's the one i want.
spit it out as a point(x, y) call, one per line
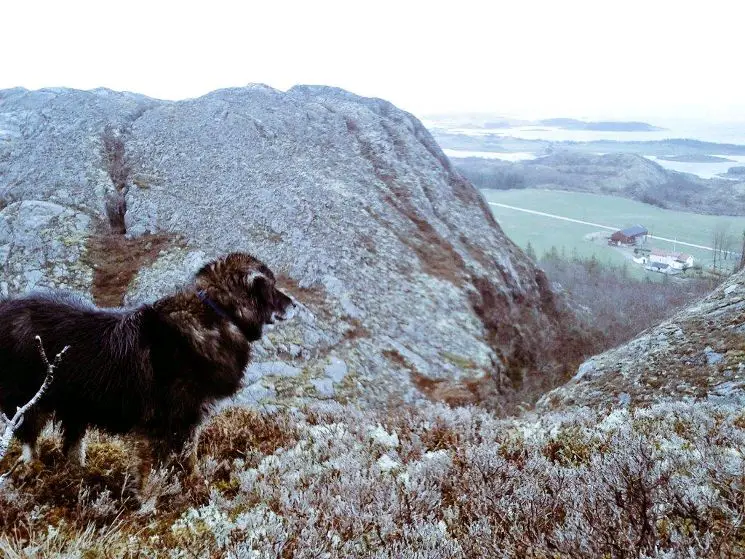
point(697, 354)
point(408, 284)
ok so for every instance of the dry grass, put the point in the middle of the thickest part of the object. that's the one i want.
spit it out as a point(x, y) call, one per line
point(314, 297)
point(237, 431)
point(116, 261)
point(96, 493)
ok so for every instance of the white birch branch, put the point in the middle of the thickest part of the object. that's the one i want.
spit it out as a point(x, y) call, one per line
point(12, 424)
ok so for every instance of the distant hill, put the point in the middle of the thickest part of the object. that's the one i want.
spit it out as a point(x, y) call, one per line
point(735, 172)
point(658, 148)
point(486, 120)
point(600, 126)
point(620, 174)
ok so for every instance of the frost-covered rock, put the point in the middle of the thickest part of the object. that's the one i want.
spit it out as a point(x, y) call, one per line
point(336, 370)
point(712, 357)
point(42, 244)
point(324, 387)
point(256, 371)
point(172, 270)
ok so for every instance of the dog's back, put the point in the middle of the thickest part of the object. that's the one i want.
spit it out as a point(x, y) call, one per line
point(98, 376)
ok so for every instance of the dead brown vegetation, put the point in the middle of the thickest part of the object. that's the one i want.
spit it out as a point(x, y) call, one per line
point(437, 256)
point(237, 432)
point(451, 392)
point(356, 330)
point(67, 492)
point(116, 260)
point(119, 168)
point(313, 297)
point(116, 480)
point(395, 357)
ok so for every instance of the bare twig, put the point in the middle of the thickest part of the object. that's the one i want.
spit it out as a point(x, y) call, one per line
point(12, 424)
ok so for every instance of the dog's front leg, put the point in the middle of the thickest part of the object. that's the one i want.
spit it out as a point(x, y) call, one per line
point(187, 456)
point(179, 449)
point(183, 453)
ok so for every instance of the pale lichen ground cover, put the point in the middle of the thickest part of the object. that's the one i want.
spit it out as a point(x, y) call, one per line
point(333, 481)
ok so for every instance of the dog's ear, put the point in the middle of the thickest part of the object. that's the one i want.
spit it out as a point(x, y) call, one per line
point(256, 280)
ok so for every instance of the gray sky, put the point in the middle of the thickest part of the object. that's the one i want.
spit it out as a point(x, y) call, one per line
point(519, 58)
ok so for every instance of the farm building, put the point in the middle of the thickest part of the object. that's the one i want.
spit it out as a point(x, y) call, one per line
point(635, 234)
point(663, 258)
point(661, 268)
point(677, 260)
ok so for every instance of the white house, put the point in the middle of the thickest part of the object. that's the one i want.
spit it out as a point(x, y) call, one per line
point(660, 259)
point(676, 260)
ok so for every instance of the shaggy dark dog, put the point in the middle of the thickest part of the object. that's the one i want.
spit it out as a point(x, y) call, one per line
point(152, 370)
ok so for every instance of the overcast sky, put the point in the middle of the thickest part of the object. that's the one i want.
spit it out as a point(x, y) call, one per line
point(519, 58)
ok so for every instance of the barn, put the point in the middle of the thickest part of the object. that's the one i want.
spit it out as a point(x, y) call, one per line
point(633, 235)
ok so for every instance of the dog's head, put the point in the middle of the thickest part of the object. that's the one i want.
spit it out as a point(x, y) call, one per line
point(244, 288)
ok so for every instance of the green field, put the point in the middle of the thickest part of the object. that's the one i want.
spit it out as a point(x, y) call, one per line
point(545, 232)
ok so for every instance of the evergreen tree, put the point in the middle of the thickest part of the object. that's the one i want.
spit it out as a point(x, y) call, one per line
point(530, 251)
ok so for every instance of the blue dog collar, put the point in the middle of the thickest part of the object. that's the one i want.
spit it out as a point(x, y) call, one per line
point(211, 304)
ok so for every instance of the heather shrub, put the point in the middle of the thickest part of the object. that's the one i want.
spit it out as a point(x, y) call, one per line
point(417, 481)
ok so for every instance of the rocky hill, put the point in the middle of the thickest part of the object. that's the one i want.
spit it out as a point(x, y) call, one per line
point(409, 286)
point(697, 354)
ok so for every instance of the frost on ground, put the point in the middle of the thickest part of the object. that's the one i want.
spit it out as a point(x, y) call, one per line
point(333, 481)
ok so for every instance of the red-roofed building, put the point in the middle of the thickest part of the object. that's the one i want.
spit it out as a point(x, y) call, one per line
point(634, 235)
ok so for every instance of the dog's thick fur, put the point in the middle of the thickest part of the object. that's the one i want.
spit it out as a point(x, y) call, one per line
point(152, 370)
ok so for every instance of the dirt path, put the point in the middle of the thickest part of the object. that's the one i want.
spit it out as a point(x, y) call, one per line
point(562, 218)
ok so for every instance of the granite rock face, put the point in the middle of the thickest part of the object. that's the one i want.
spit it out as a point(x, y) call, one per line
point(41, 246)
point(406, 282)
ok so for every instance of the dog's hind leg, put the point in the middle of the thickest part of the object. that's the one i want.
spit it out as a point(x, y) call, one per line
point(28, 433)
point(73, 445)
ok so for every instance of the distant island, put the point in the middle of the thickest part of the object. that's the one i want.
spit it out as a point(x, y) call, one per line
point(658, 148)
point(492, 121)
point(498, 124)
point(734, 172)
point(695, 158)
point(600, 126)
